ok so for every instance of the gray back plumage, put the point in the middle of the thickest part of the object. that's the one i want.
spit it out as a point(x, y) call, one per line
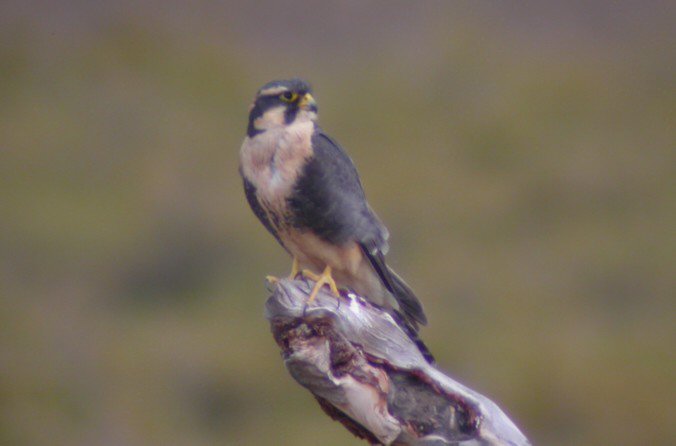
point(329, 200)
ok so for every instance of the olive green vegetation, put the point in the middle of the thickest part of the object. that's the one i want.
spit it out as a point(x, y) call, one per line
point(528, 187)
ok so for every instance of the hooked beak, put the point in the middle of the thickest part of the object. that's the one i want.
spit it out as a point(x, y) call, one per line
point(308, 103)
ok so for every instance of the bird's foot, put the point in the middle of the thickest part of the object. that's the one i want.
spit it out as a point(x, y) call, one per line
point(294, 269)
point(310, 275)
point(322, 279)
point(272, 280)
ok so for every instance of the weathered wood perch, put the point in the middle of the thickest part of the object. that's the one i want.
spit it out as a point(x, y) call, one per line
point(369, 375)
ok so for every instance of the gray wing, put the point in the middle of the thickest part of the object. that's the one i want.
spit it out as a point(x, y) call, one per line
point(329, 200)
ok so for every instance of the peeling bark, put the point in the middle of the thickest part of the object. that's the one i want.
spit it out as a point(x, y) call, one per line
point(370, 376)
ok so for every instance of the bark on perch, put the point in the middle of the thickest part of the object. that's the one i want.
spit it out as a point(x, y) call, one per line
point(369, 375)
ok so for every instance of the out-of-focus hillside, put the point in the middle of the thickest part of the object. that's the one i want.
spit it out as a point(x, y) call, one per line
point(522, 159)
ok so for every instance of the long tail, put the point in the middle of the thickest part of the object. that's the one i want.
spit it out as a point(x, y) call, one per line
point(408, 301)
point(409, 304)
point(410, 312)
point(412, 333)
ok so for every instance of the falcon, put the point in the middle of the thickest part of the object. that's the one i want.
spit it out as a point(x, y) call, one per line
point(307, 193)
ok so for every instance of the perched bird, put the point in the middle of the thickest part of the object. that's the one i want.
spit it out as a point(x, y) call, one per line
point(306, 191)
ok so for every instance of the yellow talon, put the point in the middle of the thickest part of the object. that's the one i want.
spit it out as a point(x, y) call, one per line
point(294, 272)
point(310, 275)
point(323, 279)
point(294, 269)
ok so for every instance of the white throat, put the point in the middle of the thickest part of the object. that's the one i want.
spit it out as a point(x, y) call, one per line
point(272, 160)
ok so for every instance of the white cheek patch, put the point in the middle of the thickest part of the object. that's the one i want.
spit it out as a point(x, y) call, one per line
point(273, 117)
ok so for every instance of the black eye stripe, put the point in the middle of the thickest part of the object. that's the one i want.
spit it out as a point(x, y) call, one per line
point(268, 101)
point(274, 98)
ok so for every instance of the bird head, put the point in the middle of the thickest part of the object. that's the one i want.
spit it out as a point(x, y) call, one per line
point(281, 103)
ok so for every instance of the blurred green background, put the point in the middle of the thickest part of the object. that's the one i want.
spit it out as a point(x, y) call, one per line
point(521, 155)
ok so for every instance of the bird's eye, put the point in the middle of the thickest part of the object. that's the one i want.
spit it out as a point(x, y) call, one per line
point(288, 96)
